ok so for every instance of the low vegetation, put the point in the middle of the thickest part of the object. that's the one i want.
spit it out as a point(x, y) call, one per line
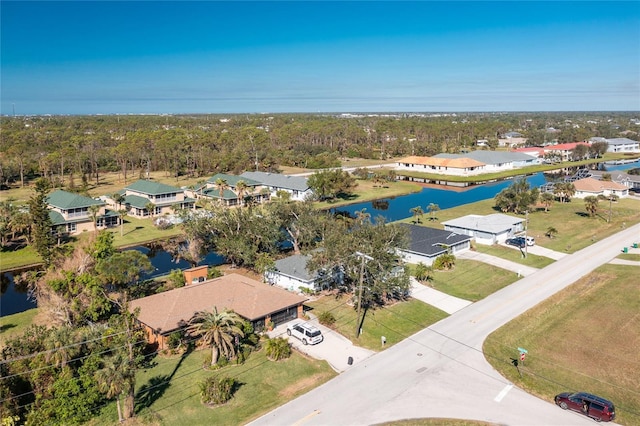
point(584, 338)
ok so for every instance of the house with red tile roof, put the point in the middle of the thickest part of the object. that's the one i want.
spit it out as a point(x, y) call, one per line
point(563, 150)
point(259, 303)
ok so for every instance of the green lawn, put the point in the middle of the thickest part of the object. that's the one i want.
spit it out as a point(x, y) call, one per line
point(584, 338)
point(395, 322)
point(366, 191)
point(472, 280)
point(514, 255)
point(15, 324)
point(168, 393)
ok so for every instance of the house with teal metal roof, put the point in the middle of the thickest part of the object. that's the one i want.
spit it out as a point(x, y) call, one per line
point(73, 213)
point(227, 190)
point(145, 198)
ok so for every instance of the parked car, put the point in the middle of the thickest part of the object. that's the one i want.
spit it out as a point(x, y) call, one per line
point(590, 405)
point(516, 241)
point(307, 333)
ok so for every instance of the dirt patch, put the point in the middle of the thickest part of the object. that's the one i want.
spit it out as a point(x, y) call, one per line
point(302, 384)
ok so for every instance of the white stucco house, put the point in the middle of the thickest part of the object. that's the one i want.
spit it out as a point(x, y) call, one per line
point(490, 229)
point(590, 186)
point(291, 273)
point(297, 186)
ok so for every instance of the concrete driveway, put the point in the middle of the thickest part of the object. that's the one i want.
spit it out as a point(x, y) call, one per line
point(335, 348)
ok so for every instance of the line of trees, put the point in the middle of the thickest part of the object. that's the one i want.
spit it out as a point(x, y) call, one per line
point(74, 151)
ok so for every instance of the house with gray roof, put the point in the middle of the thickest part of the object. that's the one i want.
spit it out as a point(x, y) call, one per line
point(630, 181)
point(291, 273)
point(73, 213)
point(623, 145)
point(426, 244)
point(297, 186)
point(141, 194)
point(489, 229)
point(228, 193)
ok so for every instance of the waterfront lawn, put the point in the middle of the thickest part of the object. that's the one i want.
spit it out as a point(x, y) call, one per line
point(13, 259)
point(472, 280)
point(367, 191)
point(396, 322)
point(13, 325)
point(168, 393)
point(584, 338)
point(576, 230)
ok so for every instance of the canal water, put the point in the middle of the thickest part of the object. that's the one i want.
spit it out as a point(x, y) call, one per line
point(14, 300)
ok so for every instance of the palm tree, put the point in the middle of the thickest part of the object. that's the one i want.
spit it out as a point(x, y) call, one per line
point(417, 213)
point(119, 199)
point(547, 199)
point(93, 212)
point(113, 380)
point(591, 204)
point(150, 208)
point(122, 213)
point(551, 231)
point(60, 346)
point(241, 189)
point(218, 329)
point(222, 185)
point(433, 208)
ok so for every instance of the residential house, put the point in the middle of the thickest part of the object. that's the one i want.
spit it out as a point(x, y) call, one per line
point(291, 273)
point(229, 194)
point(623, 145)
point(296, 186)
point(165, 199)
point(72, 212)
point(630, 181)
point(590, 186)
point(563, 150)
point(490, 229)
point(512, 140)
point(259, 303)
point(426, 244)
point(458, 166)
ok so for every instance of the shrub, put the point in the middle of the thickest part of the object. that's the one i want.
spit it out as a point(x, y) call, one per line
point(175, 279)
point(217, 390)
point(423, 272)
point(444, 262)
point(327, 318)
point(213, 272)
point(277, 349)
point(175, 340)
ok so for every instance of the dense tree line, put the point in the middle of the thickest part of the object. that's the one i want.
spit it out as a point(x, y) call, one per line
point(73, 151)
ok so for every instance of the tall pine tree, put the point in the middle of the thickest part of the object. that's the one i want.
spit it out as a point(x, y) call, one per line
point(43, 240)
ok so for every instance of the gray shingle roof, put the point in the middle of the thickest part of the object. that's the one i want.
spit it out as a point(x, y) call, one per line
point(153, 188)
point(432, 241)
point(68, 200)
point(277, 180)
point(621, 141)
point(295, 266)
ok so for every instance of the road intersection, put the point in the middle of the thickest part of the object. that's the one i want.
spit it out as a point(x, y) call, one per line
point(441, 372)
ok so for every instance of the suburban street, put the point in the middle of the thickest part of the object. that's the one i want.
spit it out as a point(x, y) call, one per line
point(441, 371)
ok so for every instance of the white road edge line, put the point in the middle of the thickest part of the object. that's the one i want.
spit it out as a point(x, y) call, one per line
point(503, 393)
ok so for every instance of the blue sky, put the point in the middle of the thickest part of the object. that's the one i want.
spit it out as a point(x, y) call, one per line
point(225, 57)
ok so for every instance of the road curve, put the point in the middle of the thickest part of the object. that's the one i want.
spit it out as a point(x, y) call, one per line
point(441, 372)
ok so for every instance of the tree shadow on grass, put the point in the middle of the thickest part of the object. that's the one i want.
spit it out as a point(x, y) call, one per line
point(5, 327)
point(153, 390)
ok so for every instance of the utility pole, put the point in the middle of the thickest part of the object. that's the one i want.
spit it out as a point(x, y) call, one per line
point(363, 257)
point(610, 198)
point(526, 224)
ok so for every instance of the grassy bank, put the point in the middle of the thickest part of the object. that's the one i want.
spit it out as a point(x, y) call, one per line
point(584, 338)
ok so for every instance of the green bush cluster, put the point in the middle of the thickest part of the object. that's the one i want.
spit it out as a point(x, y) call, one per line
point(217, 390)
point(326, 318)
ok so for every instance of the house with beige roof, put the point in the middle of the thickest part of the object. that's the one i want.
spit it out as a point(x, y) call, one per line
point(451, 166)
point(259, 303)
point(593, 187)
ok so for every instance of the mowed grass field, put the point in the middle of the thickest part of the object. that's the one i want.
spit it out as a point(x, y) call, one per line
point(585, 338)
point(168, 394)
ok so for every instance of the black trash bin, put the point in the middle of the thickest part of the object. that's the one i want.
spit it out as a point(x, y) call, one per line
point(350, 360)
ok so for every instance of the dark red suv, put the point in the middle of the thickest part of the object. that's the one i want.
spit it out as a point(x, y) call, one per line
point(590, 405)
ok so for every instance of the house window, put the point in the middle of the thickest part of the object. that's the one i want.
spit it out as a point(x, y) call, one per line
point(71, 227)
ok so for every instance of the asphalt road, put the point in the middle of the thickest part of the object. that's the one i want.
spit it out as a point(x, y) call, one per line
point(441, 372)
